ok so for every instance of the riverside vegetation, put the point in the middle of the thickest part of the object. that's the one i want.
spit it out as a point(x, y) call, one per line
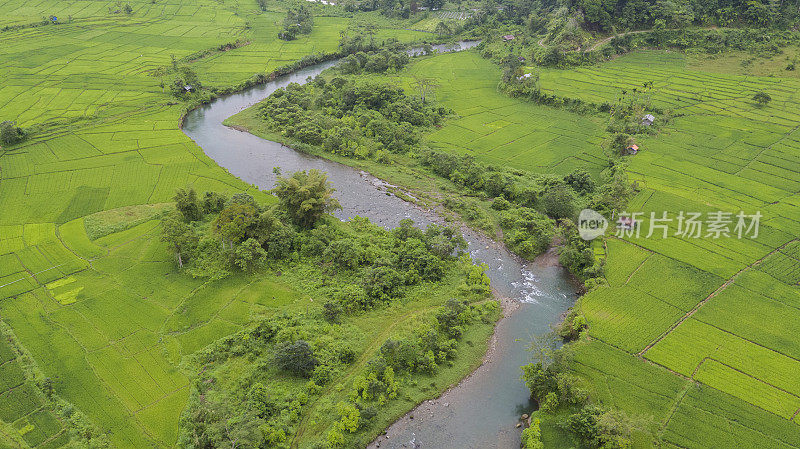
point(96, 312)
point(625, 381)
point(260, 386)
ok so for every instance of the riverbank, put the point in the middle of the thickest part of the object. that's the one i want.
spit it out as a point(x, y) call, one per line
point(494, 397)
point(455, 399)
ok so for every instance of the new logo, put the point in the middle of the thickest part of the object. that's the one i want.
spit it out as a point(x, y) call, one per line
point(591, 224)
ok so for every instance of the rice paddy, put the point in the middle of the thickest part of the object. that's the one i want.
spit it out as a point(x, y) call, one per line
point(713, 321)
point(699, 335)
point(718, 313)
point(78, 203)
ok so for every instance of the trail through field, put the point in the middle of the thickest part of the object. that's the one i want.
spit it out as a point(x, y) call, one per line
point(356, 368)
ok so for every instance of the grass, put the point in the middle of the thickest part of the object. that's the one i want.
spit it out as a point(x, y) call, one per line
point(721, 152)
point(697, 335)
point(85, 283)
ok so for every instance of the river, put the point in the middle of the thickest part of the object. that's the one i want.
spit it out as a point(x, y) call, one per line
point(483, 410)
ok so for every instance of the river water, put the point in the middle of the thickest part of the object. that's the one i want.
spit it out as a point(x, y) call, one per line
point(482, 411)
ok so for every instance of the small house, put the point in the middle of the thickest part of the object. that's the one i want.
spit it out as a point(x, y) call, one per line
point(523, 77)
point(521, 59)
point(508, 37)
point(633, 149)
point(648, 120)
point(188, 88)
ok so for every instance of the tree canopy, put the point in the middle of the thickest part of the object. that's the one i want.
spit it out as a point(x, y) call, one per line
point(306, 196)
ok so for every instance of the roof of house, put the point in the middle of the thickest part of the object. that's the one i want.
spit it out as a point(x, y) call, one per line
point(508, 37)
point(188, 87)
point(634, 147)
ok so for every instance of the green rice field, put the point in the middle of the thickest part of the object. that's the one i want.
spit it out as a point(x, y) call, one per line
point(697, 336)
point(718, 316)
point(713, 321)
point(78, 203)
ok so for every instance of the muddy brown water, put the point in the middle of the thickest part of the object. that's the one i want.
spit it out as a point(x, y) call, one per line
point(483, 410)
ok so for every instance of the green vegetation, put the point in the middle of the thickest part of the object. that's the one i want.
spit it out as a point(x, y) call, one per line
point(10, 133)
point(260, 386)
point(128, 324)
point(652, 283)
point(679, 303)
point(299, 20)
point(88, 287)
point(350, 118)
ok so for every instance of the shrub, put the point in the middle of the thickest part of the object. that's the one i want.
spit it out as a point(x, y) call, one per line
point(382, 282)
point(762, 99)
point(187, 204)
point(306, 196)
point(296, 357)
point(597, 427)
point(10, 133)
point(332, 310)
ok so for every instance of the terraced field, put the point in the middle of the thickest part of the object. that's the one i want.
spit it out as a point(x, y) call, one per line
point(70, 274)
point(720, 314)
point(699, 334)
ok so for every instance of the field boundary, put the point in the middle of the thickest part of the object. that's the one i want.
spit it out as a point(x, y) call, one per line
point(719, 289)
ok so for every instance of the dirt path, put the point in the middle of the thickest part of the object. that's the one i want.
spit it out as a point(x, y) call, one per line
point(354, 369)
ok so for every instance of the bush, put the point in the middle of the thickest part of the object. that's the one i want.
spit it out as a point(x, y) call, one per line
point(597, 427)
point(296, 357)
point(306, 196)
point(10, 133)
point(532, 436)
point(187, 204)
point(382, 282)
point(332, 310)
point(762, 99)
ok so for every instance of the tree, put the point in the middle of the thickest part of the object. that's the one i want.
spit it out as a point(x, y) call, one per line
point(249, 255)
point(234, 220)
point(299, 20)
point(442, 29)
point(581, 181)
point(213, 202)
point(425, 86)
point(382, 282)
point(621, 142)
point(180, 237)
point(10, 133)
point(306, 196)
point(332, 310)
point(453, 317)
point(761, 99)
point(532, 436)
point(433, 4)
point(187, 204)
point(597, 427)
point(559, 202)
point(296, 357)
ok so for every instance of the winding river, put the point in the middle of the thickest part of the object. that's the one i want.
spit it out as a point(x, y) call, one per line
point(483, 410)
